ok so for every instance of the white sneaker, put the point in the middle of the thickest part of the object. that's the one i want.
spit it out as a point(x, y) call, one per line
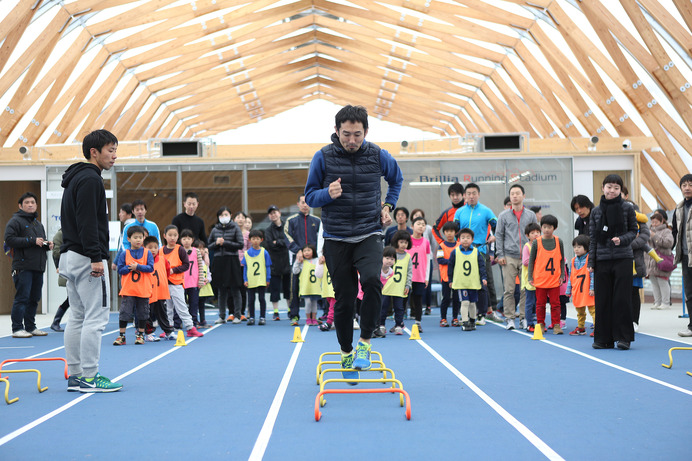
point(236, 320)
point(522, 324)
point(510, 324)
point(656, 307)
point(497, 317)
point(480, 321)
point(22, 334)
point(686, 333)
point(636, 326)
point(355, 325)
point(38, 332)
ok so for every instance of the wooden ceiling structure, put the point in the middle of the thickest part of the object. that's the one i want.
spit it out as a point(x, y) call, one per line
point(195, 68)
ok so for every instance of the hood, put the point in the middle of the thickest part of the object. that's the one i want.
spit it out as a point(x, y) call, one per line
point(24, 214)
point(77, 168)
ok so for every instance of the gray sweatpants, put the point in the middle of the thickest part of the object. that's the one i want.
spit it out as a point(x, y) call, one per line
point(177, 304)
point(89, 307)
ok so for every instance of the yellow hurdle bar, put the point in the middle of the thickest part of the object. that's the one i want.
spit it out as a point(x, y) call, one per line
point(670, 355)
point(38, 377)
point(338, 370)
point(7, 391)
point(321, 362)
point(321, 370)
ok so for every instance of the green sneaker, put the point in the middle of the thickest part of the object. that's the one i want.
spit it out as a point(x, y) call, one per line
point(362, 361)
point(347, 363)
point(98, 384)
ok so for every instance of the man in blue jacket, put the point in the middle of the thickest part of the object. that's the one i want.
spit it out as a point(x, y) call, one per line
point(344, 179)
point(301, 229)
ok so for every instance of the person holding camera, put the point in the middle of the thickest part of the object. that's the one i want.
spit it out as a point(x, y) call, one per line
point(26, 239)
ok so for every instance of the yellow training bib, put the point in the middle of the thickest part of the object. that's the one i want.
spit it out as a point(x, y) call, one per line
point(309, 283)
point(256, 270)
point(396, 285)
point(466, 273)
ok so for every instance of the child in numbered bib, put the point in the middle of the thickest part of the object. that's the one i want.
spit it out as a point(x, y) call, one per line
point(547, 272)
point(159, 294)
point(420, 258)
point(135, 266)
point(256, 275)
point(581, 284)
point(396, 282)
point(192, 280)
point(309, 286)
point(532, 231)
point(327, 293)
point(466, 272)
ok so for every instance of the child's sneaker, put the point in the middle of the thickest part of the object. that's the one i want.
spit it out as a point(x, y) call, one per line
point(173, 336)
point(120, 341)
point(380, 332)
point(420, 327)
point(294, 321)
point(556, 329)
point(472, 323)
point(362, 360)
point(398, 331)
point(250, 321)
point(326, 326)
point(243, 318)
point(236, 320)
point(427, 311)
point(591, 334)
point(563, 324)
point(480, 321)
point(98, 384)
point(578, 331)
point(151, 338)
point(522, 324)
point(276, 316)
point(261, 321)
point(219, 321)
point(139, 339)
point(550, 327)
point(347, 363)
point(531, 328)
point(465, 326)
point(455, 322)
point(443, 323)
point(192, 332)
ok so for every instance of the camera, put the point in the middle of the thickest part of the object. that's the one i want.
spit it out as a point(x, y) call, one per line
point(45, 243)
point(626, 144)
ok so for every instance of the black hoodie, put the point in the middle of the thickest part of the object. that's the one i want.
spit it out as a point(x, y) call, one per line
point(84, 212)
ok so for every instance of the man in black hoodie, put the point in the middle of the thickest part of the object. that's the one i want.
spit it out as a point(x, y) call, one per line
point(83, 262)
point(27, 238)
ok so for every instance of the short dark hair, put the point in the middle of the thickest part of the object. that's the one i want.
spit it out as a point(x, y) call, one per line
point(659, 216)
point(27, 195)
point(535, 209)
point(97, 139)
point(132, 230)
point(239, 213)
point(583, 241)
point(221, 210)
point(312, 247)
point(530, 227)
point(550, 220)
point(456, 187)
point(150, 239)
point(449, 225)
point(466, 231)
point(389, 252)
point(401, 208)
point(613, 179)
point(256, 233)
point(401, 235)
point(473, 185)
point(191, 195)
point(187, 233)
point(354, 114)
point(419, 218)
point(170, 227)
point(512, 187)
point(506, 201)
point(686, 178)
point(582, 200)
point(417, 210)
point(138, 202)
point(127, 208)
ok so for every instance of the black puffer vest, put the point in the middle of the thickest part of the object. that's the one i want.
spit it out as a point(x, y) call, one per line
point(358, 210)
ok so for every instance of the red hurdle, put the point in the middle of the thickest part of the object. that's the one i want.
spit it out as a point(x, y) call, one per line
point(43, 359)
point(318, 413)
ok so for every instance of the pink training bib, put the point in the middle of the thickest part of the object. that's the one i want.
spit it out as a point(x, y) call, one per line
point(419, 252)
point(191, 277)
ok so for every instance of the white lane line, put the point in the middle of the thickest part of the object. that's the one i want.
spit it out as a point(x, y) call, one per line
point(268, 426)
point(523, 430)
point(606, 363)
point(57, 348)
point(18, 347)
point(81, 398)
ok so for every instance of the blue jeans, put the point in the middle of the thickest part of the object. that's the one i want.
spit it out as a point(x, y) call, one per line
point(28, 285)
point(530, 307)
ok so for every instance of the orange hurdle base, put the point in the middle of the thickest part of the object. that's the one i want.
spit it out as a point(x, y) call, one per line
point(318, 413)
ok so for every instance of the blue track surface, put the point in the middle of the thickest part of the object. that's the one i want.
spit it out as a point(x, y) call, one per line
point(212, 397)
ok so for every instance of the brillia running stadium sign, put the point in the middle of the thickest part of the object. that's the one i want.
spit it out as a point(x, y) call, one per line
point(510, 177)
